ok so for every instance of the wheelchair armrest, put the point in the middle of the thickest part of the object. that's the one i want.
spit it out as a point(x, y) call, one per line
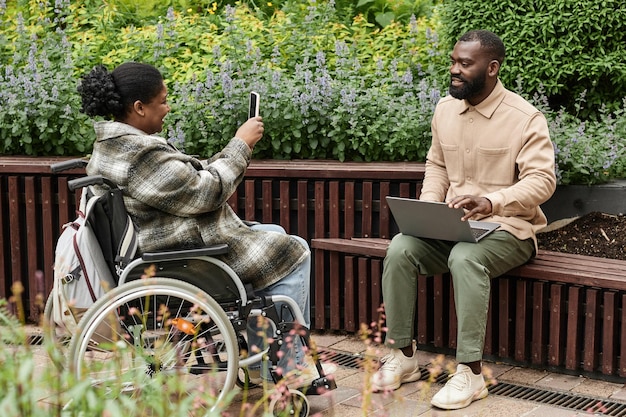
point(214, 250)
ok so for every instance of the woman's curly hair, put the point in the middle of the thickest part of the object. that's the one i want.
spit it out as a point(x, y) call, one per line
point(112, 94)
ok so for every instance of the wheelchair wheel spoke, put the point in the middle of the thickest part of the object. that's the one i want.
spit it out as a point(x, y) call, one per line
point(138, 332)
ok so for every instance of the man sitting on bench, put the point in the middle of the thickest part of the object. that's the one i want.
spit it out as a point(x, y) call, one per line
point(491, 154)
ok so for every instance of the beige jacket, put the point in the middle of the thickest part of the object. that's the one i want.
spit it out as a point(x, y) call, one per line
point(500, 150)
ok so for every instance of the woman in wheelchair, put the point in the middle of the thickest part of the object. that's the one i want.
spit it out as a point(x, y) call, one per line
point(179, 201)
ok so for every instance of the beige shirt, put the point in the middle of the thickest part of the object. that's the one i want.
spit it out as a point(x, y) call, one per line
point(499, 149)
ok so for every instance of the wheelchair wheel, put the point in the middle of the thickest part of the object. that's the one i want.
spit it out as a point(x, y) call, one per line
point(149, 330)
point(56, 339)
point(293, 403)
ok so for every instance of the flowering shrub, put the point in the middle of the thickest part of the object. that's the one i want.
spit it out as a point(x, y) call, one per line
point(587, 151)
point(329, 89)
point(326, 106)
point(38, 100)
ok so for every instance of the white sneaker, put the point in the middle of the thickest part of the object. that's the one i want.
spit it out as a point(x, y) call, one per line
point(462, 388)
point(396, 369)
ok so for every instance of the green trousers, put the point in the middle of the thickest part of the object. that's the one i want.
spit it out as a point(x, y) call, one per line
point(472, 265)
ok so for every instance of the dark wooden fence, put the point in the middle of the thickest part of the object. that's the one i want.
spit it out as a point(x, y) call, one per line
point(308, 198)
point(558, 312)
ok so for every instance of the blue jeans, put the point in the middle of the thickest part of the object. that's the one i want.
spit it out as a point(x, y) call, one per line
point(296, 286)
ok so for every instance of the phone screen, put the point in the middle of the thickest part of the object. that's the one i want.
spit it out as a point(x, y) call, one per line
point(253, 110)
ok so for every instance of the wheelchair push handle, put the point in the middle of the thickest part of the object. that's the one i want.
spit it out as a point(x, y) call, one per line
point(90, 180)
point(70, 164)
point(84, 181)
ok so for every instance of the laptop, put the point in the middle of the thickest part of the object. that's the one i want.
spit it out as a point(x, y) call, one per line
point(432, 220)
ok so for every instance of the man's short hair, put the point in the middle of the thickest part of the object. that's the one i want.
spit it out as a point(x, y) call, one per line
point(489, 41)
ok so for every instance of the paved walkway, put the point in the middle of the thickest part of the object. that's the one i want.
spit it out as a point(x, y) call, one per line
point(413, 399)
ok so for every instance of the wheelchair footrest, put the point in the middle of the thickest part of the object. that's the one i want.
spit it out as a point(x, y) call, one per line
point(321, 385)
point(205, 369)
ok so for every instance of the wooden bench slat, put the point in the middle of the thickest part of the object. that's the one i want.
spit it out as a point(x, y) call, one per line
point(592, 315)
point(351, 296)
point(609, 331)
point(30, 218)
point(504, 328)
point(572, 351)
point(367, 210)
point(622, 352)
point(320, 217)
point(349, 209)
point(363, 285)
point(539, 315)
point(333, 169)
point(581, 263)
point(367, 247)
point(335, 289)
point(423, 312)
point(14, 232)
point(250, 207)
point(521, 322)
point(333, 209)
point(4, 257)
point(556, 319)
point(320, 291)
point(285, 199)
point(566, 257)
point(303, 226)
point(573, 268)
point(440, 305)
point(48, 235)
point(385, 213)
point(266, 208)
point(376, 290)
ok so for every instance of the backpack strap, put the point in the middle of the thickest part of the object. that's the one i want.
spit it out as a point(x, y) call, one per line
point(82, 265)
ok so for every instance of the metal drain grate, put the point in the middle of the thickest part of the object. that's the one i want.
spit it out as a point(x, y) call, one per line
point(575, 402)
point(561, 399)
point(341, 358)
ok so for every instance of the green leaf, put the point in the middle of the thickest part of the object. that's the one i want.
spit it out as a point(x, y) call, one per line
point(364, 2)
point(385, 19)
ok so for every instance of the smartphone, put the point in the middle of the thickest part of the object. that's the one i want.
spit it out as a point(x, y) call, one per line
point(253, 109)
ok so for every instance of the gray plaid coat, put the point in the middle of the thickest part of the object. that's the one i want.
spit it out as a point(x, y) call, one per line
point(178, 201)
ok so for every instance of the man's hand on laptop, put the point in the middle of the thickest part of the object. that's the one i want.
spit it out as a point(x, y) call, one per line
point(473, 205)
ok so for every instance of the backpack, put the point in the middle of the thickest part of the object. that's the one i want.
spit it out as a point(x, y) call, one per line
point(90, 255)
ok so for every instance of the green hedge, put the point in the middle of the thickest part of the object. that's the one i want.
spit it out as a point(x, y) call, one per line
point(328, 90)
point(566, 49)
point(333, 86)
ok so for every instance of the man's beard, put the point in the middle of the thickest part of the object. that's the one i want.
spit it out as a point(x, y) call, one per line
point(469, 88)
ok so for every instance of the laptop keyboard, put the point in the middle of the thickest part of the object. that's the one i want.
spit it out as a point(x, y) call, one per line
point(478, 232)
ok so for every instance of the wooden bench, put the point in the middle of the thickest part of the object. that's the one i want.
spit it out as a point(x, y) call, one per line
point(558, 311)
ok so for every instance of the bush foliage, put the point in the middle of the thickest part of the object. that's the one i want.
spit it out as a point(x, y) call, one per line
point(567, 48)
point(346, 80)
point(328, 90)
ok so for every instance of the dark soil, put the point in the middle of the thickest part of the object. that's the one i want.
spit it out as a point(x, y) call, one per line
point(594, 234)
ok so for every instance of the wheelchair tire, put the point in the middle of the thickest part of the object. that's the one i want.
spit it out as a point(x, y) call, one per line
point(292, 403)
point(157, 326)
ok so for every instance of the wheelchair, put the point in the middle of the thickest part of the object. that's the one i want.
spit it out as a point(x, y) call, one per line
point(181, 312)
